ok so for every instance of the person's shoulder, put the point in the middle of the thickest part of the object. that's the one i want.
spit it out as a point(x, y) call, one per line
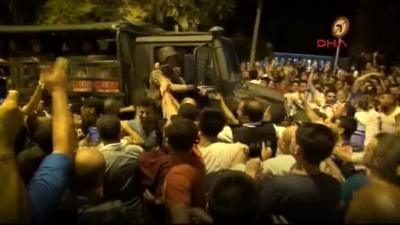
point(132, 147)
point(56, 160)
point(186, 169)
point(224, 145)
point(182, 173)
point(280, 159)
point(31, 154)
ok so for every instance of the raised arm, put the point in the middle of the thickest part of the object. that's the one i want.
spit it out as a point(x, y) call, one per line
point(179, 88)
point(15, 202)
point(34, 100)
point(230, 117)
point(135, 137)
point(311, 114)
point(63, 130)
point(358, 82)
point(47, 187)
point(169, 104)
point(311, 84)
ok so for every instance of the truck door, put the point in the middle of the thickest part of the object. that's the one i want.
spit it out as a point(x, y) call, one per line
point(206, 72)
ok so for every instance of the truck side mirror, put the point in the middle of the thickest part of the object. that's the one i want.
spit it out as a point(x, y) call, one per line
point(189, 68)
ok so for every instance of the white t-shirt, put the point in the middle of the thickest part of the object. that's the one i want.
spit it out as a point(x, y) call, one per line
point(388, 122)
point(279, 165)
point(219, 155)
point(369, 120)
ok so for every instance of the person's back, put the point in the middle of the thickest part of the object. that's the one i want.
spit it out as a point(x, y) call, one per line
point(121, 180)
point(86, 194)
point(254, 132)
point(217, 155)
point(221, 155)
point(306, 194)
point(189, 173)
point(184, 183)
point(305, 198)
point(234, 198)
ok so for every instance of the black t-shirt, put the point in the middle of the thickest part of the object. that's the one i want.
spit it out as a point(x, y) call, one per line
point(300, 198)
point(255, 135)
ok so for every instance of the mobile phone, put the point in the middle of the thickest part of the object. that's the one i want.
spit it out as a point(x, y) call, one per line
point(94, 137)
point(3, 89)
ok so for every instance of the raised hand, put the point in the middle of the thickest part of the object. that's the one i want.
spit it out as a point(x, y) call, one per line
point(11, 120)
point(55, 78)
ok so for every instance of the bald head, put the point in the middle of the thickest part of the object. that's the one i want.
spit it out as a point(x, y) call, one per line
point(286, 139)
point(376, 203)
point(89, 170)
point(188, 100)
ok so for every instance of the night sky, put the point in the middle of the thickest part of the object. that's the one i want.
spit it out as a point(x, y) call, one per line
point(294, 26)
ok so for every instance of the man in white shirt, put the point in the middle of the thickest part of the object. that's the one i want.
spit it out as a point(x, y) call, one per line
point(217, 155)
point(389, 111)
point(282, 163)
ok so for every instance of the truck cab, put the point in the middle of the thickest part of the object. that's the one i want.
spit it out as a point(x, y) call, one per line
point(205, 58)
point(116, 59)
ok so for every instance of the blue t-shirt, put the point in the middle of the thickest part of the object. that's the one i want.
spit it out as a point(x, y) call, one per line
point(47, 186)
point(351, 185)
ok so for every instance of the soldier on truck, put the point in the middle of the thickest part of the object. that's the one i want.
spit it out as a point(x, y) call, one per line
point(170, 72)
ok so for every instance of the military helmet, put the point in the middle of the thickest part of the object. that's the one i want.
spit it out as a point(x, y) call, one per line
point(165, 52)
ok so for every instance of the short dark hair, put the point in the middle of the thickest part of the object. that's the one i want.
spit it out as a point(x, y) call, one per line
point(109, 127)
point(349, 125)
point(212, 121)
point(363, 102)
point(234, 198)
point(254, 109)
point(278, 113)
point(95, 103)
point(316, 141)
point(147, 102)
point(112, 106)
point(253, 74)
point(182, 134)
point(330, 90)
point(43, 136)
point(188, 111)
point(40, 131)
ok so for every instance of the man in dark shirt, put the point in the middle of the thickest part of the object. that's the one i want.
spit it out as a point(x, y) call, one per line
point(307, 194)
point(254, 132)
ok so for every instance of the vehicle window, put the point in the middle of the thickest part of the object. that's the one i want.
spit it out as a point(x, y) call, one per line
point(182, 53)
point(232, 63)
point(50, 46)
point(206, 73)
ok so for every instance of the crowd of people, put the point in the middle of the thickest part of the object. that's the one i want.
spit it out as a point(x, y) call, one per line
point(331, 154)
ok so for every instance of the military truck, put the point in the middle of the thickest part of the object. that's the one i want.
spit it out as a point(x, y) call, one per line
point(116, 59)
